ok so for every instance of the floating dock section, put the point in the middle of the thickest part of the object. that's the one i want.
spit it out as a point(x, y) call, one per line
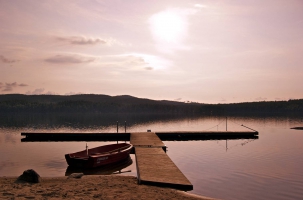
point(206, 135)
point(65, 137)
point(164, 136)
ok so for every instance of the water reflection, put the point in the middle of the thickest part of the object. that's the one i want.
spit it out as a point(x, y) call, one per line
point(7, 164)
point(9, 138)
point(104, 122)
point(116, 168)
point(267, 168)
point(55, 164)
point(238, 144)
point(80, 121)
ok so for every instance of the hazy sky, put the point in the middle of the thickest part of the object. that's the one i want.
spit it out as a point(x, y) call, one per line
point(212, 51)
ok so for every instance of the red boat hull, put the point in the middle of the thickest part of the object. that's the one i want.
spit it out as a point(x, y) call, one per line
point(99, 156)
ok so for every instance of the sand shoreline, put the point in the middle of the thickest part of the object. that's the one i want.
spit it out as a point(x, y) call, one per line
point(88, 187)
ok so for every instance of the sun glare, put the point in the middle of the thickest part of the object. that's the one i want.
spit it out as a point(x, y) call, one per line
point(168, 26)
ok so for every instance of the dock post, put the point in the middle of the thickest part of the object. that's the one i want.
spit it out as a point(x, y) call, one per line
point(125, 126)
point(226, 123)
point(117, 126)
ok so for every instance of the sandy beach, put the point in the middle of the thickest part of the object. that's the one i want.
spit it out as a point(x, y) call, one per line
point(88, 187)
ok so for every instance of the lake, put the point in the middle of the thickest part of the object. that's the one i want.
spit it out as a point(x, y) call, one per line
point(269, 167)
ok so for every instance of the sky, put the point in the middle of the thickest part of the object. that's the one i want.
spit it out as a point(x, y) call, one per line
point(207, 51)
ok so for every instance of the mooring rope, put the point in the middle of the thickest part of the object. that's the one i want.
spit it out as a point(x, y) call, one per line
point(243, 126)
point(235, 122)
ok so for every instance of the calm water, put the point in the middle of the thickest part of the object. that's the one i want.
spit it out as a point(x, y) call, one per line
point(266, 168)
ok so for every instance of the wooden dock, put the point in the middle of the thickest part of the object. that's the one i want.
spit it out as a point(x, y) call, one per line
point(154, 167)
point(146, 139)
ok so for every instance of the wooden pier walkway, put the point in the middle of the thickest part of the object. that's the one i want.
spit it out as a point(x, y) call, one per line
point(154, 167)
point(145, 139)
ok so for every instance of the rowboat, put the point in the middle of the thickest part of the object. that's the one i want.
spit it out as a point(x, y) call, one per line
point(99, 156)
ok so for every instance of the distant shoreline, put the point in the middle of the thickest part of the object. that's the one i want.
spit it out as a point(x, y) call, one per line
point(104, 104)
point(90, 187)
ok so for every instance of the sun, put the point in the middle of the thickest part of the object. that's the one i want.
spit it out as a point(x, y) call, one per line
point(168, 26)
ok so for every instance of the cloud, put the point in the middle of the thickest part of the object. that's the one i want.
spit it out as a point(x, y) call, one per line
point(135, 61)
point(35, 92)
point(6, 60)
point(7, 89)
point(72, 93)
point(23, 85)
point(281, 99)
point(200, 6)
point(261, 99)
point(51, 93)
point(69, 59)
point(79, 40)
point(10, 86)
point(149, 68)
point(222, 100)
point(39, 91)
point(148, 62)
point(14, 84)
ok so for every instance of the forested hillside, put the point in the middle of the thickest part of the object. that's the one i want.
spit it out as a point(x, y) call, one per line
point(90, 103)
point(274, 107)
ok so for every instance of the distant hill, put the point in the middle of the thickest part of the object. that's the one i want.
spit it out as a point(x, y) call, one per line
point(92, 103)
point(265, 107)
point(93, 98)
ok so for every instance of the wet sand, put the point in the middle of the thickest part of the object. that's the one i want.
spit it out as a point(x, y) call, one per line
point(88, 187)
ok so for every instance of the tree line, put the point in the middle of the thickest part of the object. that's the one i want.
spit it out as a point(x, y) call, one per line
point(17, 103)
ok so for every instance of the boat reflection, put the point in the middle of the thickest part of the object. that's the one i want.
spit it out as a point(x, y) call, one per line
point(104, 170)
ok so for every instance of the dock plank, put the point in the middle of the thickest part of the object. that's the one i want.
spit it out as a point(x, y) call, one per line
point(154, 167)
point(147, 139)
